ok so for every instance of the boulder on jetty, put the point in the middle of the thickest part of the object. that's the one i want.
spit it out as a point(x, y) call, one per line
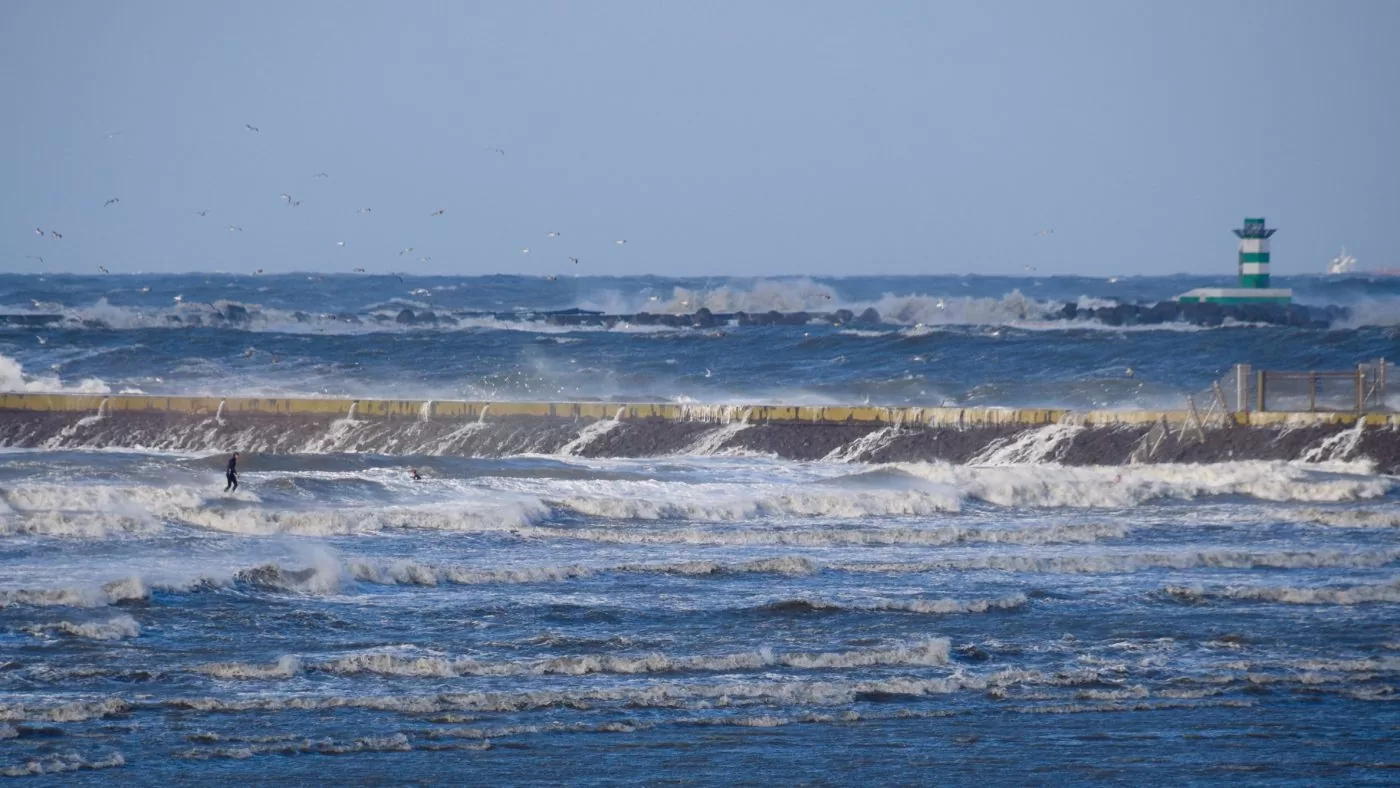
point(1206, 314)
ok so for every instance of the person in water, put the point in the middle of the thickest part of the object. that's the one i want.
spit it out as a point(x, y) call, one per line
point(413, 474)
point(232, 474)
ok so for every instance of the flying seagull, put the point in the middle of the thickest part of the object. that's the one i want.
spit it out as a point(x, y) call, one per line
point(103, 269)
point(34, 257)
point(1045, 232)
point(56, 234)
point(294, 203)
point(38, 231)
point(357, 270)
point(339, 243)
point(321, 175)
point(178, 299)
point(109, 202)
point(526, 250)
point(438, 212)
point(574, 260)
point(234, 228)
point(424, 259)
point(202, 213)
point(496, 150)
point(145, 289)
point(287, 198)
point(621, 241)
point(554, 234)
point(250, 127)
point(257, 272)
point(552, 277)
point(405, 250)
point(364, 210)
point(113, 134)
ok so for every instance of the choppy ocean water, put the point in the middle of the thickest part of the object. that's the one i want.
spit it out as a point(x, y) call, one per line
point(690, 617)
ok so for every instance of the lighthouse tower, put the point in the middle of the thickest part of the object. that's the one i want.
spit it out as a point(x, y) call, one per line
point(1254, 253)
point(1254, 273)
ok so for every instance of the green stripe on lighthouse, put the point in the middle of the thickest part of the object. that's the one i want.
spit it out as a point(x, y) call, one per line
point(1254, 257)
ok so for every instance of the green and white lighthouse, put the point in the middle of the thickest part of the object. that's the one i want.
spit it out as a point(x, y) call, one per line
point(1254, 273)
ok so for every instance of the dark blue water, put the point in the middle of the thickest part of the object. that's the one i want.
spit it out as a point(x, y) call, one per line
point(542, 619)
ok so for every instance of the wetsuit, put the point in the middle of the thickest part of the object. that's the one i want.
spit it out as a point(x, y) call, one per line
point(232, 474)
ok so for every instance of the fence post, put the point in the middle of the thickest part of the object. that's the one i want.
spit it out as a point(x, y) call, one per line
point(1380, 383)
point(1360, 388)
point(1259, 378)
point(1242, 388)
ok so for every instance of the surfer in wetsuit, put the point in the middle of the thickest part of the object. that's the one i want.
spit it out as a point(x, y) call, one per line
point(232, 474)
point(414, 475)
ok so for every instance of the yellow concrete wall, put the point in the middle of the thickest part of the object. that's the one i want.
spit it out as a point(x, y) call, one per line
point(758, 414)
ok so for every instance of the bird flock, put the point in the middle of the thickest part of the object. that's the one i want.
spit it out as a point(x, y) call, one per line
point(291, 201)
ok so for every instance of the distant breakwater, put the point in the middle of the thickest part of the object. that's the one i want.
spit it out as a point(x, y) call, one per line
point(987, 436)
point(233, 315)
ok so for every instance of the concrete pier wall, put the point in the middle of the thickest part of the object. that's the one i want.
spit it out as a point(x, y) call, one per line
point(870, 434)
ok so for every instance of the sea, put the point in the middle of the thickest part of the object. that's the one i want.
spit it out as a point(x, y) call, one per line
point(703, 617)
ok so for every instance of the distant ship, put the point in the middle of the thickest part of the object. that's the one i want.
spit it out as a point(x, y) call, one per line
point(1344, 264)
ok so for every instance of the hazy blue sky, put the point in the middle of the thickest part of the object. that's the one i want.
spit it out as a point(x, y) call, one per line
point(716, 137)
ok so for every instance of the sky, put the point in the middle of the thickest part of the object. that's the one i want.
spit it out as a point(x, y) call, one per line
point(717, 138)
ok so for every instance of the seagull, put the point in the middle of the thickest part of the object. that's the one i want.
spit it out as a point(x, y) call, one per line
point(496, 150)
point(1045, 232)
point(339, 243)
point(249, 353)
point(574, 260)
point(287, 198)
point(400, 278)
point(103, 269)
point(56, 234)
point(1112, 280)
point(405, 250)
point(1129, 372)
point(34, 257)
point(438, 212)
point(424, 259)
point(113, 134)
point(202, 213)
point(235, 229)
point(42, 340)
point(178, 299)
point(259, 271)
point(357, 270)
point(109, 202)
point(554, 234)
point(145, 289)
point(707, 372)
point(321, 175)
point(364, 210)
point(1030, 268)
point(621, 241)
point(294, 203)
point(526, 250)
point(250, 127)
point(552, 277)
point(37, 231)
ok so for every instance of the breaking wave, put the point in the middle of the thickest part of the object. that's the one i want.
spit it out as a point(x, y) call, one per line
point(1289, 595)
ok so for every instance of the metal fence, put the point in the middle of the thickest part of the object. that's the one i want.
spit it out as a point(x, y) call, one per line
point(1359, 390)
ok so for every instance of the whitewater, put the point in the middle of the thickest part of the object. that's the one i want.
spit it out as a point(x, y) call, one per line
point(709, 611)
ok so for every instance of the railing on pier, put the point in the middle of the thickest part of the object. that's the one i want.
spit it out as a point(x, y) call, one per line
point(1360, 390)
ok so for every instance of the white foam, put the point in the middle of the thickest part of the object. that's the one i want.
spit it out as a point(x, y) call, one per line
point(59, 763)
point(1124, 486)
point(14, 379)
point(933, 651)
point(1290, 595)
point(117, 628)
